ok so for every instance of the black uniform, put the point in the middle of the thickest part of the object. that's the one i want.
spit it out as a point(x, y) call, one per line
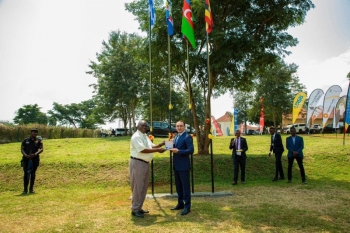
point(30, 146)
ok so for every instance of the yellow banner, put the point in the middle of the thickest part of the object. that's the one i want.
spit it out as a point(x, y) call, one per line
point(298, 103)
point(232, 125)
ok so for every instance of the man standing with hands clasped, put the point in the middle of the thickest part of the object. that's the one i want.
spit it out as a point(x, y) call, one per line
point(141, 154)
point(183, 148)
point(277, 148)
point(295, 146)
point(31, 148)
point(238, 146)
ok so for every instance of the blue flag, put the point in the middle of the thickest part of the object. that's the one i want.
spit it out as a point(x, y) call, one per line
point(152, 14)
point(169, 17)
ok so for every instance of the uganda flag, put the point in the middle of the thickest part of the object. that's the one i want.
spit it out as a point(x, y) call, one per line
point(209, 23)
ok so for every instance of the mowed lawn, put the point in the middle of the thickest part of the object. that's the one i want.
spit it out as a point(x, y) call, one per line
point(83, 186)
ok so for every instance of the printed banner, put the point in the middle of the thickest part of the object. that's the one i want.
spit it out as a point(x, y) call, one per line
point(347, 113)
point(298, 103)
point(318, 110)
point(235, 113)
point(339, 111)
point(312, 103)
point(262, 116)
point(329, 102)
point(232, 125)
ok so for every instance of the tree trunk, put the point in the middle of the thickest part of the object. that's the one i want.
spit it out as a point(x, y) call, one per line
point(203, 141)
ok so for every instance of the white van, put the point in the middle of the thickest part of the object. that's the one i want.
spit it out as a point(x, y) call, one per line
point(300, 128)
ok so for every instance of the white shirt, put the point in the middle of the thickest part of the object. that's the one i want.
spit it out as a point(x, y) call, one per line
point(138, 143)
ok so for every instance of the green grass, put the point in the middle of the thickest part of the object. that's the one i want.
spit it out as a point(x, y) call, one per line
point(83, 186)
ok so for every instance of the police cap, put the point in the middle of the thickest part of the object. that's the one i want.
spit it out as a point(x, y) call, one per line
point(34, 130)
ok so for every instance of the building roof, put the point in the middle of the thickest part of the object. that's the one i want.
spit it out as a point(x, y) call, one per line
point(225, 118)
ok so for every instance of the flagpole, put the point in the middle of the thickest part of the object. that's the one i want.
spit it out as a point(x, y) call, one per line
point(170, 108)
point(150, 96)
point(189, 108)
point(211, 140)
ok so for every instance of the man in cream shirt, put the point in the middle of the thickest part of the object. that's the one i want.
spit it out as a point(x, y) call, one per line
point(141, 154)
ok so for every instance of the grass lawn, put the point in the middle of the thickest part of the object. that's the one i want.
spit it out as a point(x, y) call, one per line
point(83, 186)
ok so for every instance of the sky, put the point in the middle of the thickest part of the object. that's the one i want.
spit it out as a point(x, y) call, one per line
point(46, 47)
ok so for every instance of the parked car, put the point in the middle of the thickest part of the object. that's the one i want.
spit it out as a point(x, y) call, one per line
point(300, 128)
point(160, 129)
point(252, 132)
point(286, 129)
point(120, 132)
point(315, 128)
point(329, 128)
point(192, 131)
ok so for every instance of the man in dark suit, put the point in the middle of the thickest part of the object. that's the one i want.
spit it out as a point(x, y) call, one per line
point(183, 148)
point(277, 148)
point(238, 146)
point(295, 146)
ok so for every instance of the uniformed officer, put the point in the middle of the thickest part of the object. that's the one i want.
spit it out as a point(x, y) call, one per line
point(31, 148)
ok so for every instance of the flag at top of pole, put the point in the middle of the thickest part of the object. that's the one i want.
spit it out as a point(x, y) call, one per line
point(209, 23)
point(169, 17)
point(152, 14)
point(187, 27)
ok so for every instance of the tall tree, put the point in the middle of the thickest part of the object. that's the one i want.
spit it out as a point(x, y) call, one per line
point(247, 35)
point(81, 115)
point(30, 114)
point(121, 76)
point(277, 84)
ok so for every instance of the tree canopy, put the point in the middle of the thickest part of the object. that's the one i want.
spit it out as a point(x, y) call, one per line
point(30, 114)
point(248, 35)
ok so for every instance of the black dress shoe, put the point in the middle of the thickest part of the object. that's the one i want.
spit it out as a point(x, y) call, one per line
point(24, 192)
point(185, 211)
point(144, 211)
point(178, 207)
point(137, 214)
point(274, 179)
point(281, 178)
point(289, 181)
point(234, 183)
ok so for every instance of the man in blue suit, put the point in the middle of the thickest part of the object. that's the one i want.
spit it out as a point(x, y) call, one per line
point(295, 146)
point(183, 148)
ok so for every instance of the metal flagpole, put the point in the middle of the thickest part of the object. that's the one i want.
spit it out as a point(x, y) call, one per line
point(170, 108)
point(211, 140)
point(189, 109)
point(150, 97)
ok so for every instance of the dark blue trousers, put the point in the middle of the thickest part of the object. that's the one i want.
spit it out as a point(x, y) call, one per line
point(239, 162)
point(182, 182)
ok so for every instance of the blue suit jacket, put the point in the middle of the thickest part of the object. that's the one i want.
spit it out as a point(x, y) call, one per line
point(298, 147)
point(184, 144)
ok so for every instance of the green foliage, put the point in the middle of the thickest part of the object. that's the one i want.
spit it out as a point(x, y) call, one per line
point(30, 114)
point(277, 85)
point(81, 115)
point(17, 133)
point(121, 76)
point(247, 36)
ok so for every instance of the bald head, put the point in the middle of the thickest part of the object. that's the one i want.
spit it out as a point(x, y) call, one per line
point(238, 133)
